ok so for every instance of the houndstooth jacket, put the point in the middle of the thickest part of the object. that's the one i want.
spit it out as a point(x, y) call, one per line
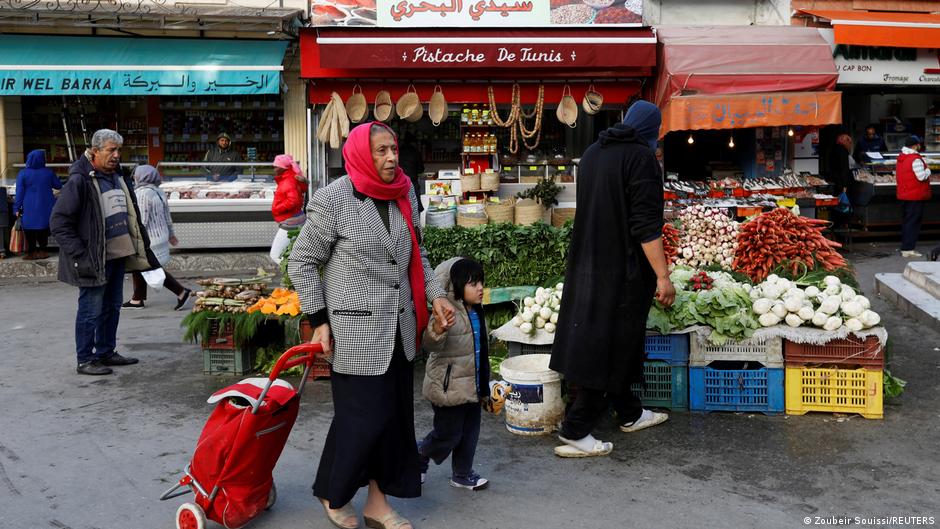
point(365, 287)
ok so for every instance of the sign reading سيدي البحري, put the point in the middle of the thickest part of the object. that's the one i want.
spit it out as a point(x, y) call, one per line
point(884, 66)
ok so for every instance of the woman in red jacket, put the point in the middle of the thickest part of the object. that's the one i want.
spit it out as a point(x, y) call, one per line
point(913, 177)
point(288, 206)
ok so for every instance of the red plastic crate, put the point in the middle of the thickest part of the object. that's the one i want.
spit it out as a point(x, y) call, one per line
point(851, 351)
point(321, 368)
point(219, 336)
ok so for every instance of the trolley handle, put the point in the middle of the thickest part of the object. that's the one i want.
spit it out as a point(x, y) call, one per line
point(302, 354)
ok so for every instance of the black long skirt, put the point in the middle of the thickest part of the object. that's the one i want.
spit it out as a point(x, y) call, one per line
point(372, 436)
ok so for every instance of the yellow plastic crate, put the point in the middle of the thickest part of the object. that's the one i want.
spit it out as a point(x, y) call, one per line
point(835, 390)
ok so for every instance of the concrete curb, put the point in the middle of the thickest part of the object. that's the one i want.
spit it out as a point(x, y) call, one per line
point(16, 270)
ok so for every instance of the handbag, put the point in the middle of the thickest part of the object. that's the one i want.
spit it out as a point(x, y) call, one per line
point(845, 206)
point(17, 238)
point(155, 277)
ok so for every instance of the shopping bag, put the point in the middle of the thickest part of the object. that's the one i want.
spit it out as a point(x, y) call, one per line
point(17, 238)
point(844, 205)
point(155, 277)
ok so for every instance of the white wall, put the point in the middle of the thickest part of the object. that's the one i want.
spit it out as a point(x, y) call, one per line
point(717, 12)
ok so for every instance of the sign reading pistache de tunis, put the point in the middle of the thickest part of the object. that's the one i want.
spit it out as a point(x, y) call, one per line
point(474, 13)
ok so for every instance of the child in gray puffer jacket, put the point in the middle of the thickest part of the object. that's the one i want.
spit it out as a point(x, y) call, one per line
point(456, 379)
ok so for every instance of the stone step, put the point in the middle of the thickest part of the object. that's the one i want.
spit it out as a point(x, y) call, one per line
point(910, 299)
point(926, 275)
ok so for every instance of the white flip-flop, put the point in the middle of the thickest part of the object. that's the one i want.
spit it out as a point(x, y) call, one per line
point(600, 449)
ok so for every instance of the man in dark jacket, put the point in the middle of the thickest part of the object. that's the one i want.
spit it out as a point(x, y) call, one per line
point(222, 151)
point(97, 226)
point(616, 266)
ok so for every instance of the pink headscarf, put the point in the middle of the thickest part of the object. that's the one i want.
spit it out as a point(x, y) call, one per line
point(357, 153)
point(286, 161)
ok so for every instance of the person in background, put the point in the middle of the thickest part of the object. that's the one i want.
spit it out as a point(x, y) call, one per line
point(288, 205)
point(155, 216)
point(5, 223)
point(870, 142)
point(913, 190)
point(222, 151)
point(616, 267)
point(457, 375)
point(97, 226)
point(411, 162)
point(34, 200)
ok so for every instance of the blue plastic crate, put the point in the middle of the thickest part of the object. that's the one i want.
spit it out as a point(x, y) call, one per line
point(756, 390)
point(672, 348)
point(667, 386)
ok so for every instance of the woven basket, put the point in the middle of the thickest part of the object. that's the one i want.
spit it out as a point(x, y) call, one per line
point(528, 212)
point(561, 215)
point(469, 182)
point(489, 181)
point(468, 222)
point(501, 212)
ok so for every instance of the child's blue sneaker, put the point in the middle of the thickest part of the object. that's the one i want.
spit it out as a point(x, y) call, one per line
point(473, 481)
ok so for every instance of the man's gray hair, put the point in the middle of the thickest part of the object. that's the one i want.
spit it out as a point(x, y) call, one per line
point(104, 136)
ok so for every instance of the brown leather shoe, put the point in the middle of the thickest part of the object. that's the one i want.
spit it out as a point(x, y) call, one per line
point(31, 256)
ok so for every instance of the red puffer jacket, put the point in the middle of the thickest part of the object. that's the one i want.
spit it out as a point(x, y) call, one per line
point(289, 196)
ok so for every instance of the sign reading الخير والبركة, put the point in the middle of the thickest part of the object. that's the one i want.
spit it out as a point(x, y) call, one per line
point(36, 81)
point(884, 66)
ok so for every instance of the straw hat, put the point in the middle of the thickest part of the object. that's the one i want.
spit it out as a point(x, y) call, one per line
point(356, 107)
point(592, 102)
point(383, 106)
point(409, 106)
point(567, 109)
point(437, 107)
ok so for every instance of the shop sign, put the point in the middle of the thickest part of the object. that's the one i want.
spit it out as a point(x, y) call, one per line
point(471, 13)
point(884, 65)
point(38, 82)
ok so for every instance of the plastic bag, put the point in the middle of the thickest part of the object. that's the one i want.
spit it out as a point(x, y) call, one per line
point(155, 277)
point(844, 205)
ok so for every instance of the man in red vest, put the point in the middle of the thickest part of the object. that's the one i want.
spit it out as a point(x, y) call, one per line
point(913, 177)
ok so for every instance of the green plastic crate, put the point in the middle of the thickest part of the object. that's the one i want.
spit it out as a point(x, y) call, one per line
point(226, 361)
point(667, 386)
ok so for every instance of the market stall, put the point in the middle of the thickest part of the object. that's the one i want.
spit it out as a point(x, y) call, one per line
point(520, 112)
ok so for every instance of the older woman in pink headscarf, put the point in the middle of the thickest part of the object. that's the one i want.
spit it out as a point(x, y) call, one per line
point(288, 206)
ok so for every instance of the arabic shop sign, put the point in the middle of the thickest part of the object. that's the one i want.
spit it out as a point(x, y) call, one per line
point(79, 82)
point(482, 13)
point(471, 13)
point(884, 66)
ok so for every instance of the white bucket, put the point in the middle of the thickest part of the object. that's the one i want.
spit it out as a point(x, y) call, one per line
point(533, 405)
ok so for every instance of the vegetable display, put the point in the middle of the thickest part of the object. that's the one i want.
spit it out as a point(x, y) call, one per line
point(725, 307)
point(670, 242)
point(829, 306)
point(539, 312)
point(708, 237)
point(280, 302)
point(229, 295)
point(780, 238)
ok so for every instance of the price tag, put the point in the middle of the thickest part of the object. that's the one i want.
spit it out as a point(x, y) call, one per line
point(472, 200)
point(494, 200)
point(533, 168)
point(469, 172)
point(561, 167)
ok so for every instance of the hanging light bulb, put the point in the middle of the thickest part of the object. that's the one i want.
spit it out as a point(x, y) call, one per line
point(731, 142)
point(790, 132)
point(691, 139)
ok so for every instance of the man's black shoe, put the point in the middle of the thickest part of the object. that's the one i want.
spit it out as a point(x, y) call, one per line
point(117, 360)
point(93, 368)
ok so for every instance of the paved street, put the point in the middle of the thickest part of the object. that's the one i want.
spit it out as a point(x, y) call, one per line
point(81, 452)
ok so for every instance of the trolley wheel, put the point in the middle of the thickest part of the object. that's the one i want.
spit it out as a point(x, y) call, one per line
point(272, 497)
point(190, 516)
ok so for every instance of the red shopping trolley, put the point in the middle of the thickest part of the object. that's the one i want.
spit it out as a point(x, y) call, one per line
point(230, 472)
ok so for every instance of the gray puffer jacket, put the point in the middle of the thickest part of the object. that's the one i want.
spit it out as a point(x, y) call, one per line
point(450, 376)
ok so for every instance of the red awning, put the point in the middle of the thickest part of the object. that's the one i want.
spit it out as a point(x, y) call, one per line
point(723, 61)
point(897, 30)
point(434, 53)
